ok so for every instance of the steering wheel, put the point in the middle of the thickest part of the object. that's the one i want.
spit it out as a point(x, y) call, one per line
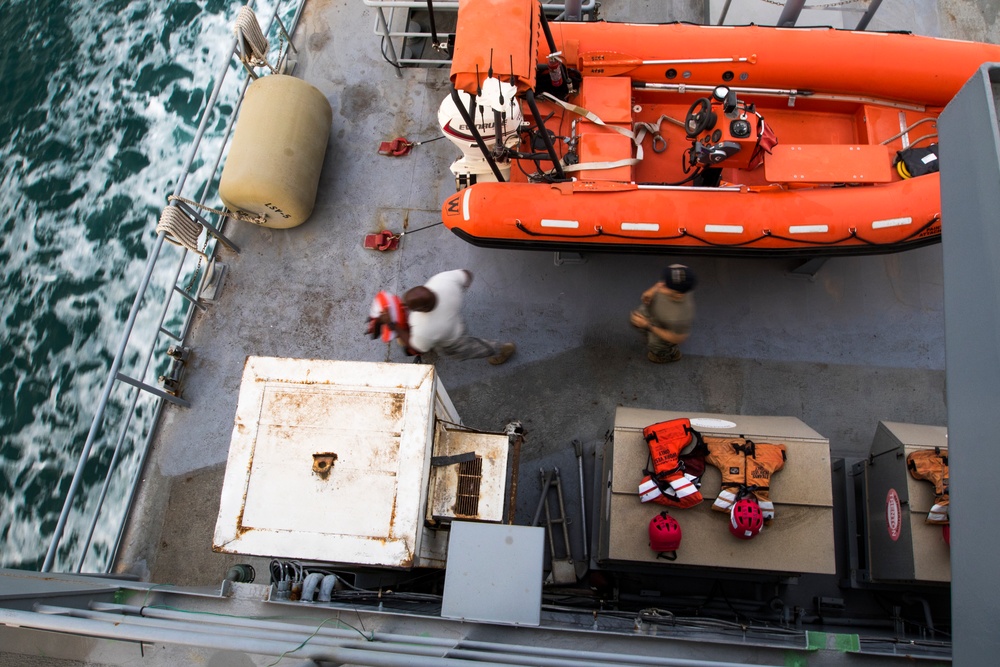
point(700, 117)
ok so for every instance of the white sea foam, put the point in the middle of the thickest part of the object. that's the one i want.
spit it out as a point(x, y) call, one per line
point(78, 264)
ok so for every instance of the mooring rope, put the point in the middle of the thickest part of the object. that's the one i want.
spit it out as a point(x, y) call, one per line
point(242, 216)
point(180, 229)
point(247, 28)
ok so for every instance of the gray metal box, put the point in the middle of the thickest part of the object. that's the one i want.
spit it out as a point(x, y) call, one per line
point(901, 546)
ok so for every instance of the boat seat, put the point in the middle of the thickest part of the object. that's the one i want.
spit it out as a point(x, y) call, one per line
point(828, 163)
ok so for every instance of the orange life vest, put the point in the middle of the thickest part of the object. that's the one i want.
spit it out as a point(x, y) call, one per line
point(667, 483)
point(932, 465)
point(391, 304)
point(746, 468)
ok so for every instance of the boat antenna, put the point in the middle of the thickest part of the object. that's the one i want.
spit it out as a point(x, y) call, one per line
point(490, 72)
point(473, 98)
point(513, 82)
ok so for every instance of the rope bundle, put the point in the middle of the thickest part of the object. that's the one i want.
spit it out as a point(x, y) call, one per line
point(179, 229)
point(255, 45)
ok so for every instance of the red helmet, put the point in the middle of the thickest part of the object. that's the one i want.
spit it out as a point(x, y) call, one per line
point(664, 535)
point(745, 518)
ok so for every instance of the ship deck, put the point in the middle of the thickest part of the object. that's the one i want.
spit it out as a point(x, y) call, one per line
point(840, 344)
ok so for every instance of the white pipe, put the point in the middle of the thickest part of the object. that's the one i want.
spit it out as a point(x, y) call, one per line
point(218, 641)
point(455, 648)
point(295, 635)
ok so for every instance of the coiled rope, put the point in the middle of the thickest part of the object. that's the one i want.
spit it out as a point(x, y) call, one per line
point(180, 229)
point(255, 46)
point(242, 216)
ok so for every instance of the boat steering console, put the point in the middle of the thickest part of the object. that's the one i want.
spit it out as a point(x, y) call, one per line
point(722, 129)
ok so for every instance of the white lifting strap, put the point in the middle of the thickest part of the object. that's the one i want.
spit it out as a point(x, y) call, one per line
point(253, 44)
point(643, 128)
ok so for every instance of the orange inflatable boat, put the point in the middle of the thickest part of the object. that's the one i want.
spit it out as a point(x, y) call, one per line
point(695, 139)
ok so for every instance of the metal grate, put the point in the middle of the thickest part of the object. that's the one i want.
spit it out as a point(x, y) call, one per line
point(470, 475)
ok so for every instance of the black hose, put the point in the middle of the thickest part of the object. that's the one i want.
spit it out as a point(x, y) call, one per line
point(430, 13)
point(545, 28)
point(529, 97)
point(475, 133)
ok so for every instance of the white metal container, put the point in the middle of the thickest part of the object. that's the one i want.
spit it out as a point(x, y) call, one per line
point(330, 461)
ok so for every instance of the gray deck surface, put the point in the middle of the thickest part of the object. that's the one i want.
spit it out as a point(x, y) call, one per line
point(860, 341)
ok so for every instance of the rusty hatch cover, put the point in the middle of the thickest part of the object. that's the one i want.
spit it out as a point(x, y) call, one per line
point(329, 460)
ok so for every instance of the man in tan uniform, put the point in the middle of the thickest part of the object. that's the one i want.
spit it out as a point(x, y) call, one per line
point(666, 314)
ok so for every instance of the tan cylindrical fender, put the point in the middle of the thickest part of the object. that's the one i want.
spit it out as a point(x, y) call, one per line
point(276, 156)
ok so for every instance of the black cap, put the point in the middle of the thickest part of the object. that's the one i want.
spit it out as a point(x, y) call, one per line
point(679, 278)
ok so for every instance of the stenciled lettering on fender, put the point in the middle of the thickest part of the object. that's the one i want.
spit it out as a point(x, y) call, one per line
point(453, 205)
point(277, 210)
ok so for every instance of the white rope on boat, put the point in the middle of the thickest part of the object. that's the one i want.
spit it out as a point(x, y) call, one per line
point(180, 229)
point(254, 45)
point(635, 137)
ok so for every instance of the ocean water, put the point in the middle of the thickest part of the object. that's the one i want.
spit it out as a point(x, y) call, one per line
point(100, 101)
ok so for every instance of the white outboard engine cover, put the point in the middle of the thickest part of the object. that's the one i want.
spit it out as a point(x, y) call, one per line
point(473, 167)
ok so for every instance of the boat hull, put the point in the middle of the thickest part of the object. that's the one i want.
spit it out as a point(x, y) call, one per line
point(804, 129)
point(808, 222)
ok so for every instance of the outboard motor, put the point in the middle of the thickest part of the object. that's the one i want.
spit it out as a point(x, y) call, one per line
point(473, 166)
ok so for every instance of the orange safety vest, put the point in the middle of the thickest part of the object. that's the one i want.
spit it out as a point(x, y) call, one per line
point(385, 302)
point(932, 465)
point(746, 468)
point(668, 484)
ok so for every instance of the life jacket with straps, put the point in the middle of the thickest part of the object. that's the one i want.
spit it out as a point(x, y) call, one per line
point(668, 483)
point(394, 307)
point(746, 468)
point(932, 465)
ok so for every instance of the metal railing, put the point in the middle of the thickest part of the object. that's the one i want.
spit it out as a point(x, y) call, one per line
point(404, 41)
point(792, 8)
point(115, 376)
point(396, 29)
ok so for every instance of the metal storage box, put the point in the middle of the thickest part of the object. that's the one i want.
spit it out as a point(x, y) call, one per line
point(799, 540)
point(332, 461)
point(901, 546)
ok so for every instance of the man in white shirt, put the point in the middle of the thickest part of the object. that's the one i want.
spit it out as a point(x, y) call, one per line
point(436, 321)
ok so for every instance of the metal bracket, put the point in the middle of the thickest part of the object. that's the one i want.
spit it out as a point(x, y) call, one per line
point(209, 226)
point(559, 258)
point(215, 277)
point(176, 400)
point(808, 269)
